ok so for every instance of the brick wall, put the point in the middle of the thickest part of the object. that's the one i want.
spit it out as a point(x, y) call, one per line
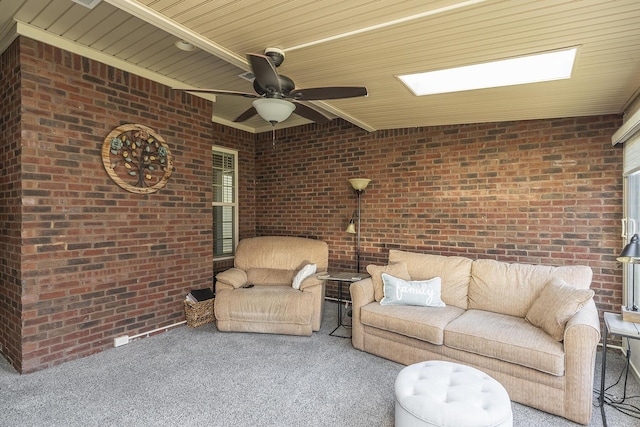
point(540, 191)
point(10, 217)
point(98, 261)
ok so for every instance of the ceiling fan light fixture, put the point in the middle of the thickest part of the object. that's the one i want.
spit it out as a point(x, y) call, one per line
point(273, 110)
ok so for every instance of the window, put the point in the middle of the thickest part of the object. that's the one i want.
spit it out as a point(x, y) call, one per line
point(630, 224)
point(632, 204)
point(629, 134)
point(225, 202)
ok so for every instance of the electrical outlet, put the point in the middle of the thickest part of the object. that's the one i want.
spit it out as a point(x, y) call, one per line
point(118, 341)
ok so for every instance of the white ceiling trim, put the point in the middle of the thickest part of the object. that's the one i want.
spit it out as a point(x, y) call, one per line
point(7, 35)
point(630, 127)
point(229, 123)
point(32, 32)
point(386, 24)
point(160, 21)
point(347, 117)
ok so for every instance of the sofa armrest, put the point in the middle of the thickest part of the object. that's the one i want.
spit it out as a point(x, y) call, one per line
point(231, 278)
point(586, 317)
point(315, 286)
point(310, 282)
point(362, 293)
point(581, 338)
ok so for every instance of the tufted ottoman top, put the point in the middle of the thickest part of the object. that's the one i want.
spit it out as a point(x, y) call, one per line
point(445, 394)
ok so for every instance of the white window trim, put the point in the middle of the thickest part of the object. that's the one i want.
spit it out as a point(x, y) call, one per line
point(236, 211)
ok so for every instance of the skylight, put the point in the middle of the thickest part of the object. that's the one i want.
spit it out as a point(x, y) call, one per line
point(556, 65)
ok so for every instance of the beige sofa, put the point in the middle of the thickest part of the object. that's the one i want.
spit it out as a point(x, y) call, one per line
point(277, 302)
point(486, 323)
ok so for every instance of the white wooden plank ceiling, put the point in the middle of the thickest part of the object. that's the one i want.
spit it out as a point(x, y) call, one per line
point(356, 42)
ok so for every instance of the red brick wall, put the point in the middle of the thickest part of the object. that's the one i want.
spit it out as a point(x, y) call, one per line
point(98, 261)
point(540, 191)
point(10, 217)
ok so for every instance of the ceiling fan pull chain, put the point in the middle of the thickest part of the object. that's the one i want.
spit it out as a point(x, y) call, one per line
point(273, 133)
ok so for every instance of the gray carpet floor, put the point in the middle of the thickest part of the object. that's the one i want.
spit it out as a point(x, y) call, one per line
point(199, 376)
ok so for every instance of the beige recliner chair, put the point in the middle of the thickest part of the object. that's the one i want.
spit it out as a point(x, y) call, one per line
point(259, 294)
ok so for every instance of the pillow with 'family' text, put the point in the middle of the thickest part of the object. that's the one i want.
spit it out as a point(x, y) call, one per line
point(424, 293)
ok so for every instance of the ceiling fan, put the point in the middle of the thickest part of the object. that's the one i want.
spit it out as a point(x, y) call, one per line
point(276, 95)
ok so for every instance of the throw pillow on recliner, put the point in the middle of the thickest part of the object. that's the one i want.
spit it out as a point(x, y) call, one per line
point(302, 274)
point(557, 303)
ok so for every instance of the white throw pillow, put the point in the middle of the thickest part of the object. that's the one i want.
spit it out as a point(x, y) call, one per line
point(304, 272)
point(417, 292)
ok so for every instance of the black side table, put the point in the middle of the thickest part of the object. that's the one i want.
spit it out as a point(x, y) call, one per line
point(341, 278)
point(614, 325)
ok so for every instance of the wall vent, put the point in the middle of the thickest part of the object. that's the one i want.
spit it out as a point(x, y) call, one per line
point(87, 3)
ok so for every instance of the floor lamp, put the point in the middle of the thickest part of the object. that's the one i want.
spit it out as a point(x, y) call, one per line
point(359, 185)
point(631, 255)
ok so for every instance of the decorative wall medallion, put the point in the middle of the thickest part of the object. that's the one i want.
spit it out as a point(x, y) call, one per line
point(137, 158)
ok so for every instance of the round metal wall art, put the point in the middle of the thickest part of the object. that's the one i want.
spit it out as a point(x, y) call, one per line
point(137, 158)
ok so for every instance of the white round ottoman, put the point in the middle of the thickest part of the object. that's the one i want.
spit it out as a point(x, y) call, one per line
point(445, 394)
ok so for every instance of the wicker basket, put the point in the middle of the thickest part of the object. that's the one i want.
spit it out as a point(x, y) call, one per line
point(198, 313)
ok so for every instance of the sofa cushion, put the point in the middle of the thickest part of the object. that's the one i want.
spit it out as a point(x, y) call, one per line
point(512, 288)
point(302, 274)
point(270, 276)
point(507, 338)
point(557, 303)
point(454, 271)
point(425, 293)
point(423, 323)
point(398, 269)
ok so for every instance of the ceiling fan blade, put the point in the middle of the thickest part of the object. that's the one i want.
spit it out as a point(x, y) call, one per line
point(265, 72)
point(222, 92)
point(309, 113)
point(246, 115)
point(329, 92)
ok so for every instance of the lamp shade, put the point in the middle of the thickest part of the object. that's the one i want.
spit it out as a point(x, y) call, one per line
point(631, 252)
point(273, 110)
point(351, 228)
point(359, 184)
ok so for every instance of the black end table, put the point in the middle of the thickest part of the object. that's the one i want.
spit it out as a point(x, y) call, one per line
point(341, 278)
